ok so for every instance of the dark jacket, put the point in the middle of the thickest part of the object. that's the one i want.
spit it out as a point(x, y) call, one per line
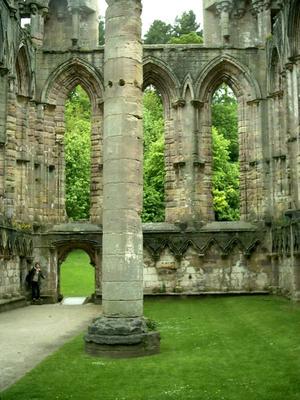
point(30, 275)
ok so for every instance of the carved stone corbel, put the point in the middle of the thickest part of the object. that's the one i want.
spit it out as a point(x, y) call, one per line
point(224, 8)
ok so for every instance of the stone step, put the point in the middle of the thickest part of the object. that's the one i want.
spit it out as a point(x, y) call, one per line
point(73, 301)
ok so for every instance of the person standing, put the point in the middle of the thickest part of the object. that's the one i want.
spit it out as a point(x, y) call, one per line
point(34, 279)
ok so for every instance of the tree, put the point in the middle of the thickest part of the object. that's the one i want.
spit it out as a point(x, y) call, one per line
point(154, 168)
point(154, 177)
point(225, 180)
point(159, 32)
point(78, 154)
point(224, 117)
point(185, 24)
point(185, 30)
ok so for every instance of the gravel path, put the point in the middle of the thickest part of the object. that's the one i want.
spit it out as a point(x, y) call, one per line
point(28, 335)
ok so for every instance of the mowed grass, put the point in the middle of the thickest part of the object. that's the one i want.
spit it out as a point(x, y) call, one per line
point(226, 348)
point(77, 277)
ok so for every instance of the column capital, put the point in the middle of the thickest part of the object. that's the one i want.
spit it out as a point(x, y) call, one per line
point(224, 6)
point(239, 9)
point(198, 104)
point(179, 103)
point(259, 6)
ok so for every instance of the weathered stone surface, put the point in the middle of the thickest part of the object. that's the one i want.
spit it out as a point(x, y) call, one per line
point(121, 337)
point(106, 326)
point(253, 46)
point(149, 345)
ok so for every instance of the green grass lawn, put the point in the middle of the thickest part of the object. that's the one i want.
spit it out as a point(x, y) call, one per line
point(77, 276)
point(232, 348)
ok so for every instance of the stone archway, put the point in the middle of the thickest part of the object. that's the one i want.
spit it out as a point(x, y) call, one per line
point(91, 247)
point(23, 73)
point(159, 75)
point(64, 79)
point(225, 69)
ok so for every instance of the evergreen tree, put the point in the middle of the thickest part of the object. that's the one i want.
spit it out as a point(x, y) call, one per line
point(185, 24)
point(159, 32)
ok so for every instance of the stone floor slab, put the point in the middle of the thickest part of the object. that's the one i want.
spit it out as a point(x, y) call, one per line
point(73, 301)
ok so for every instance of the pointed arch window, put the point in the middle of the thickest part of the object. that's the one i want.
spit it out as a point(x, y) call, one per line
point(225, 149)
point(78, 154)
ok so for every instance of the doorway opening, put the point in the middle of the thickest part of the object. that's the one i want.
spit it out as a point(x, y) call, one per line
point(76, 275)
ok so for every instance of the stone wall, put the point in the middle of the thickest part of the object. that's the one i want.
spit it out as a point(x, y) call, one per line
point(186, 77)
point(15, 261)
point(211, 273)
point(253, 47)
point(9, 278)
point(219, 258)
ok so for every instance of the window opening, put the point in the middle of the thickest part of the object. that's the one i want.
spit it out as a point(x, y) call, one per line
point(78, 154)
point(154, 164)
point(225, 147)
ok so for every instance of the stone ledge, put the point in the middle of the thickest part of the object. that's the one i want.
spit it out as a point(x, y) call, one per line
point(11, 304)
point(221, 226)
point(212, 293)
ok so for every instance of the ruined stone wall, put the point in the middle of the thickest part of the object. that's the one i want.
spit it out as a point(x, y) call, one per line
point(193, 73)
point(210, 271)
point(186, 77)
point(253, 47)
point(285, 255)
point(15, 260)
point(220, 258)
point(182, 81)
point(283, 52)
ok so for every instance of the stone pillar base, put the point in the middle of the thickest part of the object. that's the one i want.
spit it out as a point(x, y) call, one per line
point(296, 297)
point(121, 338)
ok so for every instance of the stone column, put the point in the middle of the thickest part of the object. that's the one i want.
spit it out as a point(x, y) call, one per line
point(122, 331)
point(75, 11)
point(3, 104)
point(261, 9)
point(224, 8)
point(38, 12)
point(293, 119)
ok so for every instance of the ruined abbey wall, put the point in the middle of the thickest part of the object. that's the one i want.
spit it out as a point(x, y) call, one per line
point(254, 47)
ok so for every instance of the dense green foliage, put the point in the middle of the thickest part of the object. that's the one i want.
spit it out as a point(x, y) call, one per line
point(187, 38)
point(185, 30)
point(226, 194)
point(154, 167)
point(224, 117)
point(228, 348)
point(159, 32)
point(225, 180)
point(77, 276)
point(78, 154)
